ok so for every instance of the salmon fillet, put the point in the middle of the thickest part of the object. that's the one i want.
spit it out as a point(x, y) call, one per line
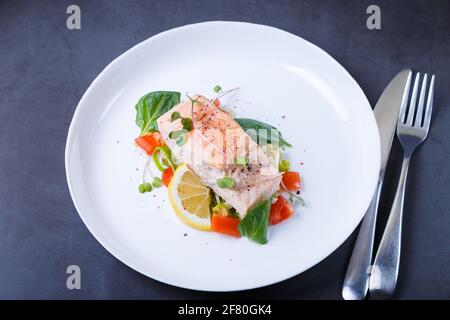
point(217, 147)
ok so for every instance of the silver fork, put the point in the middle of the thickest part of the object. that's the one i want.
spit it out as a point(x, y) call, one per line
point(412, 129)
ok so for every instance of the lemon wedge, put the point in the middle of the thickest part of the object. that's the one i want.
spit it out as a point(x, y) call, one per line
point(190, 198)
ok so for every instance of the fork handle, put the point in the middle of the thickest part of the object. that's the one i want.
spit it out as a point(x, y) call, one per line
point(383, 278)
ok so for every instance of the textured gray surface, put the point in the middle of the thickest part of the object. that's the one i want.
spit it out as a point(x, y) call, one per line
point(45, 68)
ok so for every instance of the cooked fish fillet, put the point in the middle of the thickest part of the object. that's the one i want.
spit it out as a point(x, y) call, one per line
point(214, 147)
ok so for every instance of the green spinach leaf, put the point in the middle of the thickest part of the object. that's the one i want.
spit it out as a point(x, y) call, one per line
point(254, 225)
point(151, 106)
point(262, 132)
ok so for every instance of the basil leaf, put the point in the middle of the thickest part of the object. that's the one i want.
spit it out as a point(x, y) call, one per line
point(151, 106)
point(262, 132)
point(254, 225)
point(225, 182)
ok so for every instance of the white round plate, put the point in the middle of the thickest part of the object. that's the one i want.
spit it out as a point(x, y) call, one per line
point(285, 81)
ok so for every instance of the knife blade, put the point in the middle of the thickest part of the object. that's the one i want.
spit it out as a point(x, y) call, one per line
point(386, 112)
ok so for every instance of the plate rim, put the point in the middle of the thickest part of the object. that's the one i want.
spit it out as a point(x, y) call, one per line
point(111, 65)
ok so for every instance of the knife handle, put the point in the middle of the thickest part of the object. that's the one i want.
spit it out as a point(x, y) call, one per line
point(356, 280)
point(383, 279)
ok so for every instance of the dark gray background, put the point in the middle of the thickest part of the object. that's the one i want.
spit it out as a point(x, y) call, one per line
point(45, 68)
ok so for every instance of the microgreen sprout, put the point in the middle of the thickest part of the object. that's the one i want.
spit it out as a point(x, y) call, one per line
point(181, 140)
point(174, 116)
point(156, 182)
point(242, 160)
point(221, 94)
point(225, 182)
point(145, 187)
point(174, 135)
point(187, 123)
point(284, 165)
point(293, 198)
point(165, 153)
point(192, 106)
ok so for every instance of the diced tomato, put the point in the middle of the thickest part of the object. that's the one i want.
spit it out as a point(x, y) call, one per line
point(167, 176)
point(149, 142)
point(291, 180)
point(280, 210)
point(225, 225)
point(217, 103)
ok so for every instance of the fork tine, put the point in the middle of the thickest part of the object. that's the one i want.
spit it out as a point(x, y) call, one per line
point(429, 107)
point(412, 103)
point(419, 113)
point(404, 103)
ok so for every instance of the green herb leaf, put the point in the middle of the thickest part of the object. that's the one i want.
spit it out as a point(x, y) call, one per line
point(242, 160)
point(301, 201)
point(167, 157)
point(174, 135)
point(155, 157)
point(217, 89)
point(262, 132)
point(296, 200)
point(187, 123)
point(151, 106)
point(148, 187)
point(174, 116)
point(225, 182)
point(181, 140)
point(284, 165)
point(291, 199)
point(192, 101)
point(145, 187)
point(179, 136)
point(156, 182)
point(222, 209)
point(254, 225)
point(233, 213)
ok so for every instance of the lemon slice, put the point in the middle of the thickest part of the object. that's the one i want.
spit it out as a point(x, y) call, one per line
point(190, 198)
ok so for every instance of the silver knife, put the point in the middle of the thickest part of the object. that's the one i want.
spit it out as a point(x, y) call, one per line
point(386, 111)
